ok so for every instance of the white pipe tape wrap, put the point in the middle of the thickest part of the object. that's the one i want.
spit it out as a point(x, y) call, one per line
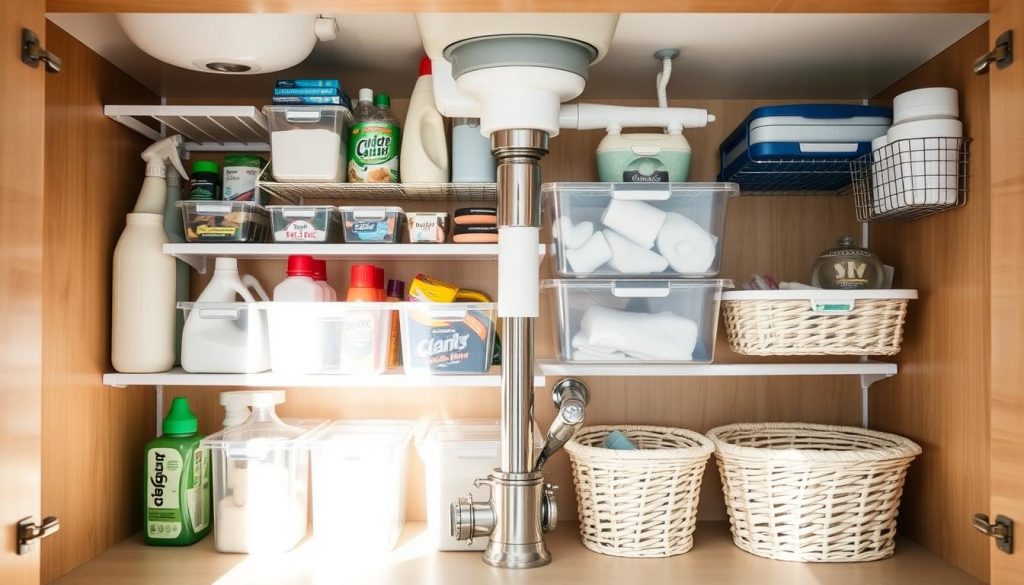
point(518, 271)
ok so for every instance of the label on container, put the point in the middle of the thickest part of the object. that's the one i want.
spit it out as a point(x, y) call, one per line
point(216, 230)
point(373, 153)
point(204, 190)
point(302, 230)
point(198, 492)
point(450, 345)
point(240, 183)
point(163, 482)
point(359, 351)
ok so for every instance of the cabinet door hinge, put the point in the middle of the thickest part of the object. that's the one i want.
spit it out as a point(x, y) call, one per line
point(1002, 531)
point(1001, 55)
point(30, 533)
point(32, 53)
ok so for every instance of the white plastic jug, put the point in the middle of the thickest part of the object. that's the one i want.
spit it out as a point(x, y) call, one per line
point(222, 336)
point(424, 156)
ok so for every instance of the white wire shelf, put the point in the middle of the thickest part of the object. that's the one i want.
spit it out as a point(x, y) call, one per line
point(866, 368)
point(390, 379)
point(204, 128)
point(198, 255)
point(393, 193)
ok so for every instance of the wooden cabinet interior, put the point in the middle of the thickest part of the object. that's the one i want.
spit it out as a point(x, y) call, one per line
point(98, 432)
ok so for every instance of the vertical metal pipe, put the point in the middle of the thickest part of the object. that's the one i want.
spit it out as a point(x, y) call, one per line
point(517, 395)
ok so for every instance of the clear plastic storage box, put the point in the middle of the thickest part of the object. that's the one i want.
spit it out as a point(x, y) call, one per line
point(372, 224)
point(638, 229)
point(224, 221)
point(636, 321)
point(317, 224)
point(260, 481)
point(447, 338)
point(359, 470)
point(328, 338)
point(309, 144)
point(455, 453)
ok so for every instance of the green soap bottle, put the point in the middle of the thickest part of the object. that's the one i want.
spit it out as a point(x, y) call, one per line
point(177, 483)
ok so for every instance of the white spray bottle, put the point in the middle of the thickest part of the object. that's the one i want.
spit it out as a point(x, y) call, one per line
point(143, 288)
point(175, 228)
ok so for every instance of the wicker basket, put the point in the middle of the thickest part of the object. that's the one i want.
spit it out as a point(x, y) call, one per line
point(816, 322)
point(640, 503)
point(818, 493)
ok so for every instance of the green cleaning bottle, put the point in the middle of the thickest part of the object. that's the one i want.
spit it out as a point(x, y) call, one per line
point(177, 488)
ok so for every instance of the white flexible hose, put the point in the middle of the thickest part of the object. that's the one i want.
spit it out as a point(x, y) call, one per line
point(662, 82)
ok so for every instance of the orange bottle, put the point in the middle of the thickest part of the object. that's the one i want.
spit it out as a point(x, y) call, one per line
point(362, 285)
point(362, 348)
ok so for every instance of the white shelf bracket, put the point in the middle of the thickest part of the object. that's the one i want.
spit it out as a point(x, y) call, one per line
point(196, 261)
point(866, 380)
point(159, 390)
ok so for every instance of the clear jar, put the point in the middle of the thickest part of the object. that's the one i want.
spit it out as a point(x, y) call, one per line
point(848, 266)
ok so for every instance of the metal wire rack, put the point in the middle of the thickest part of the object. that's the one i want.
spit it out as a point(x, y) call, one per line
point(794, 177)
point(297, 193)
point(912, 178)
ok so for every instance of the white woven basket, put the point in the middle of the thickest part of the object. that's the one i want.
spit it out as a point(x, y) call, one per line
point(805, 492)
point(639, 503)
point(816, 322)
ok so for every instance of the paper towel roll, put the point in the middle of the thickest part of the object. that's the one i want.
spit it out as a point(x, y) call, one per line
point(518, 272)
point(635, 220)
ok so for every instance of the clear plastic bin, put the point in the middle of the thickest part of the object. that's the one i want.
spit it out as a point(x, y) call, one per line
point(260, 485)
point(359, 470)
point(309, 144)
point(224, 221)
point(328, 338)
point(224, 338)
point(638, 229)
point(316, 224)
point(372, 224)
point(636, 321)
point(455, 453)
point(447, 338)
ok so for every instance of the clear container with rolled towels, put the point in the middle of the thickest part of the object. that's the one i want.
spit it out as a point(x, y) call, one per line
point(637, 230)
point(634, 321)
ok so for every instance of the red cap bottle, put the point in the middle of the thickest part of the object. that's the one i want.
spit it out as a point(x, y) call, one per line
point(362, 283)
point(320, 270)
point(301, 266)
point(425, 67)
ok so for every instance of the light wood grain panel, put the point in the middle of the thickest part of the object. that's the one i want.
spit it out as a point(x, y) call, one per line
point(713, 561)
point(21, 299)
point(940, 397)
point(781, 235)
point(93, 435)
point(1007, 318)
point(335, 6)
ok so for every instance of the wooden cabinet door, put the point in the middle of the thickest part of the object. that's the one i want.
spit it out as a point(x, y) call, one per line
point(21, 256)
point(1007, 398)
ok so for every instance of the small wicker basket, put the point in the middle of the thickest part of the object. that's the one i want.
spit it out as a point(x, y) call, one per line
point(812, 493)
point(639, 503)
point(816, 322)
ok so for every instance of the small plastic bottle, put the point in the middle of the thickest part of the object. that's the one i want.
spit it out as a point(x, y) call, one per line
point(177, 489)
point(299, 286)
point(320, 276)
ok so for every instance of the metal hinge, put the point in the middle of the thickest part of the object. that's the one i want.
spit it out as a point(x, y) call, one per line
point(32, 53)
point(1002, 531)
point(1001, 55)
point(30, 533)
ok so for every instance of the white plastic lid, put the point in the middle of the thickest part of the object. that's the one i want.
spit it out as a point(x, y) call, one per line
point(635, 288)
point(474, 431)
point(236, 404)
point(364, 435)
point(366, 95)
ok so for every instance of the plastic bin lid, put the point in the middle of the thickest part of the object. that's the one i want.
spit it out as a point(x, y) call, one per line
point(370, 209)
point(254, 437)
point(301, 207)
point(636, 287)
point(466, 432)
point(638, 190)
point(364, 434)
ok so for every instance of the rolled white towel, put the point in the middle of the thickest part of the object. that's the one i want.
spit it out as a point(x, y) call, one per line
point(687, 246)
point(628, 257)
point(637, 221)
point(590, 255)
point(572, 236)
point(659, 336)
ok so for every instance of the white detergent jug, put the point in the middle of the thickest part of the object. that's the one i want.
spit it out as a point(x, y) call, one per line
point(424, 156)
point(222, 336)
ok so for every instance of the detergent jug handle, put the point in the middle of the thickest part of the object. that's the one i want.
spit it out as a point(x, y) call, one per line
point(252, 282)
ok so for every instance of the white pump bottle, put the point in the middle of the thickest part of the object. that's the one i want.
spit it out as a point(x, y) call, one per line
point(143, 288)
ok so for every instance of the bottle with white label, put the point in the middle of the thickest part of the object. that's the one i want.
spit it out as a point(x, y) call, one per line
point(177, 489)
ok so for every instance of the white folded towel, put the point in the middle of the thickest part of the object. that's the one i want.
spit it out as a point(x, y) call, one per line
point(628, 257)
point(590, 255)
point(687, 246)
point(572, 236)
point(660, 336)
point(636, 220)
point(581, 351)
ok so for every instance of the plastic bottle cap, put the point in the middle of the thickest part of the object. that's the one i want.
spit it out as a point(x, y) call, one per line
point(378, 277)
point(382, 100)
point(205, 166)
point(226, 264)
point(363, 276)
point(320, 270)
point(396, 288)
point(179, 419)
point(301, 266)
point(366, 95)
point(425, 66)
